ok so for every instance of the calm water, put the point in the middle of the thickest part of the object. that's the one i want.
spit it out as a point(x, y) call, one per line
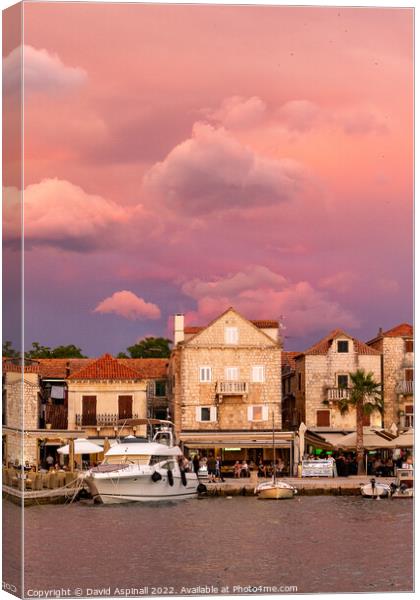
point(319, 544)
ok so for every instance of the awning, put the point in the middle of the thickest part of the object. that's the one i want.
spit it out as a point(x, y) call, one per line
point(245, 439)
point(405, 440)
point(81, 446)
point(314, 439)
point(372, 440)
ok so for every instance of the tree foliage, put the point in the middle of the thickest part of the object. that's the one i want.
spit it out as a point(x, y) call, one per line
point(8, 351)
point(39, 351)
point(149, 347)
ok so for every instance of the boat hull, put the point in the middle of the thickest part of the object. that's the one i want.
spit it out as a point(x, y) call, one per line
point(275, 494)
point(378, 490)
point(140, 488)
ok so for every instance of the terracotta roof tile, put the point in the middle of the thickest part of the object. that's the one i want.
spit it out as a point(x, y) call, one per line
point(288, 359)
point(106, 367)
point(148, 368)
point(402, 330)
point(60, 368)
point(12, 366)
point(324, 345)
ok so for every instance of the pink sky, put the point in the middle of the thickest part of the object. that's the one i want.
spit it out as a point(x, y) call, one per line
point(188, 158)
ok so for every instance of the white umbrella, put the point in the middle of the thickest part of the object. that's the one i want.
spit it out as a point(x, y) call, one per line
point(404, 440)
point(371, 441)
point(81, 446)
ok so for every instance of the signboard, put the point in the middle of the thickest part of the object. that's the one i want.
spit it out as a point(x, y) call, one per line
point(318, 468)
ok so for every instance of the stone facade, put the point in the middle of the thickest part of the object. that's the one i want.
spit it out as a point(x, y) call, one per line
point(21, 413)
point(320, 375)
point(106, 394)
point(396, 347)
point(226, 377)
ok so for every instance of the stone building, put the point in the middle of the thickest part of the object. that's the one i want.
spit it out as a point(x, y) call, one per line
point(225, 386)
point(103, 393)
point(45, 400)
point(321, 374)
point(397, 357)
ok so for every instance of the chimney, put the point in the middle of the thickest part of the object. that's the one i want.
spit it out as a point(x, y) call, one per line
point(380, 332)
point(178, 329)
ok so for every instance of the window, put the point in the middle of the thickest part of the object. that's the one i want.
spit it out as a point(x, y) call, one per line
point(342, 346)
point(366, 420)
point(322, 418)
point(409, 345)
point(125, 407)
point(160, 388)
point(231, 335)
point(257, 413)
point(88, 410)
point(231, 373)
point(205, 374)
point(409, 415)
point(257, 375)
point(343, 381)
point(206, 414)
point(409, 374)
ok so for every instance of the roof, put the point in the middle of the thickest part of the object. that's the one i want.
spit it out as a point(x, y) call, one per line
point(12, 366)
point(401, 330)
point(148, 368)
point(60, 368)
point(288, 359)
point(322, 347)
point(106, 367)
point(260, 323)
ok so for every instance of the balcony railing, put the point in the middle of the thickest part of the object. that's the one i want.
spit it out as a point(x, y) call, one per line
point(405, 387)
point(232, 388)
point(100, 420)
point(338, 393)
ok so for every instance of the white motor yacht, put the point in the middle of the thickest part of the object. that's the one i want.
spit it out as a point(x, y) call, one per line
point(143, 470)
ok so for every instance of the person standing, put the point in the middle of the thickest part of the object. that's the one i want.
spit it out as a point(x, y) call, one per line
point(196, 463)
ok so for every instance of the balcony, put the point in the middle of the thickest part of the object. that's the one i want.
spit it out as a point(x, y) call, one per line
point(405, 387)
point(100, 420)
point(334, 394)
point(232, 388)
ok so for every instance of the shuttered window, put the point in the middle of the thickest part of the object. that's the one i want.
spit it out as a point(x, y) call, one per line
point(257, 412)
point(88, 410)
point(206, 414)
point(205, 374)
point(322, 418)
point(125, 407)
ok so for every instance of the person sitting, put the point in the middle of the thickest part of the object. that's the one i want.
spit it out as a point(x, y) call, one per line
point(262, 470)
point(378, 467)
point(237, 469)
point(244, 469)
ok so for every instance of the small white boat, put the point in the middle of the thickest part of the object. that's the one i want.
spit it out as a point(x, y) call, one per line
point(140, 470)
point(275, 490)
point(374, 489)
point(404, 482)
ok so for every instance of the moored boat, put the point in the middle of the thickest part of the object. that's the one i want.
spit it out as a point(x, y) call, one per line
point(404, 484)
point(275, 490)
point(143, 470)
point(375, 489)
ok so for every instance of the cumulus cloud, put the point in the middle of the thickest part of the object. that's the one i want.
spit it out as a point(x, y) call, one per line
point(258, 292)
point(43, 71)
point(342, 282)
point(212, 171)
point(58, 213)
point(237, 112)
point(128, 305)
point(299, 115)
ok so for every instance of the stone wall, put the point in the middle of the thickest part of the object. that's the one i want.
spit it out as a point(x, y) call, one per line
point(22, 400)
point(395, 362)
point(208, 348)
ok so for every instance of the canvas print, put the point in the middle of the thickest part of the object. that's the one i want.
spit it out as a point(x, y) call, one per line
point(208, 355)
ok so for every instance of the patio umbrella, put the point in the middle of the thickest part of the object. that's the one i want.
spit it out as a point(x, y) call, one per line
point(405, 440)
point(371, 441)
point(81, 446)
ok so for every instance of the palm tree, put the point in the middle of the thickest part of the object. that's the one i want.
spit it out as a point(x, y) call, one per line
point(365, 395)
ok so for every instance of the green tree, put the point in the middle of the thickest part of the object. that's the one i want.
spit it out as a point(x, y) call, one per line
point(8, 351)
point(150, 347)
point(70, 351)
point(365, 396)
point(39, 351)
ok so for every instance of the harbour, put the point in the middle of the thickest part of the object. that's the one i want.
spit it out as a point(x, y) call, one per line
point(317, 544)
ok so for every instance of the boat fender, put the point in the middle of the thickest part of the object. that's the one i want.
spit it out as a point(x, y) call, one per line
point(156, 476)
point(183, 477)
point(201, 488)
point(170, 477)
